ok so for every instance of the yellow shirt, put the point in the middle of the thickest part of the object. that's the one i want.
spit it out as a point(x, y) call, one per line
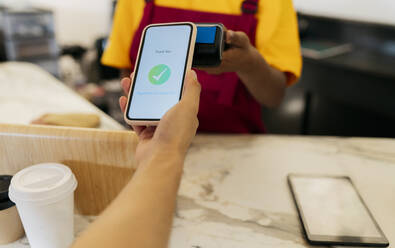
point(276, 36)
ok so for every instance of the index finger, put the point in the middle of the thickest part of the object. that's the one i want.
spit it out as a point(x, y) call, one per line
point(125, 83)
point(138, 129)
point(237, 38)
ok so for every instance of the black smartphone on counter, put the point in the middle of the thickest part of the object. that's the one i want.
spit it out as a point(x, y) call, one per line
point(333, 213)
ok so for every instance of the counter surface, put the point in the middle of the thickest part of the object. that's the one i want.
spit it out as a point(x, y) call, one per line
point(27, 92)
point(234, 191)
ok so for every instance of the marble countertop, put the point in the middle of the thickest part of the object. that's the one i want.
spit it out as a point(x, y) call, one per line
point(234, 191)
point(27, 92)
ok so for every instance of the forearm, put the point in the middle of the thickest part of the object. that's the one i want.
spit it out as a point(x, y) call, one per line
point(141, 216)
point(264, 82)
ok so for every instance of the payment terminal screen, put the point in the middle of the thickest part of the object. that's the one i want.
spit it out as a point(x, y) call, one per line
point(160, 71)
point(206, 35)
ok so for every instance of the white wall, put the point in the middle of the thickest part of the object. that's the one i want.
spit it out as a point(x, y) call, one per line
point(377, 11)
point(79, 21)
point(82, 21)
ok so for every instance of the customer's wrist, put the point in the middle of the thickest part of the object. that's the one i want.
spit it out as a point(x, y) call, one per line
point(164, 156)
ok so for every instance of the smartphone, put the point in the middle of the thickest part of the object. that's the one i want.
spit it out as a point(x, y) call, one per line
point(333, 213)
point(165, 55)
point(210, 44)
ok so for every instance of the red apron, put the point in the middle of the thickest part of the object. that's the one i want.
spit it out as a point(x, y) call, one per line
point(225, 104)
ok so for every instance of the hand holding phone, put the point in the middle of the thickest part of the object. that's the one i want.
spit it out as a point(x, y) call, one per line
point(164, 57)
point(176, 128)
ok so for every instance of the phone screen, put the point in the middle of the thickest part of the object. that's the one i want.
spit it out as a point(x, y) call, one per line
point(331, 207)
point(160, 71)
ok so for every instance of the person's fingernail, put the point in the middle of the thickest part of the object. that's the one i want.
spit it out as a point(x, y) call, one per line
point(120, 102)
point(194, 75)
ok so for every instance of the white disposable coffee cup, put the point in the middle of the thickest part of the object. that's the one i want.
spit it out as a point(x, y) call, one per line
point(44, 197)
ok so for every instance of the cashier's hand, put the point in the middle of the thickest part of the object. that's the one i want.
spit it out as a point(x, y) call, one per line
point(237, 57)
point(177, 127)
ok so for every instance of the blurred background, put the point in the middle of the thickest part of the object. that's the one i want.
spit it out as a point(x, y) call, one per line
point(347, 86)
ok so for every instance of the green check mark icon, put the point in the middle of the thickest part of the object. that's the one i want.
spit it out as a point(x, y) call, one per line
point(159, 74)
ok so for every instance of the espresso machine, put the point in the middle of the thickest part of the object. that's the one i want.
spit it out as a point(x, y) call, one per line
point(28, 35)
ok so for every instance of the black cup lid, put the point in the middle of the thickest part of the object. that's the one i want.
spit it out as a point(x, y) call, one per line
point(6, 204)
point(5, 181)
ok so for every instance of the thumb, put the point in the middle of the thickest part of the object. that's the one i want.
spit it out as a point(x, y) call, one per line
point(237, 39)
point(191, 95)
